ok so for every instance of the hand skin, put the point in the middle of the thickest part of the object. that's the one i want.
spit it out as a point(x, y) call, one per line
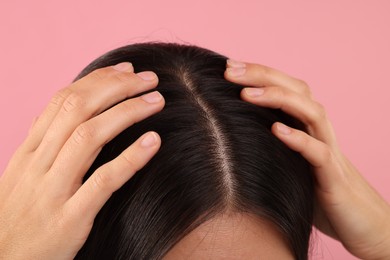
point(350, 210)
point(45, 210)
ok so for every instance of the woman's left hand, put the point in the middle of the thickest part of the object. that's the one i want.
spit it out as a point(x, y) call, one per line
point(348, 208)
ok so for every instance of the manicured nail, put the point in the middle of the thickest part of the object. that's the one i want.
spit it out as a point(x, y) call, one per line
point(235, 64)
point(146, 75)
point(235, 72)
point(282, 128)
point(149, 140)
point(123, 66)
point(254, 92)
point(153, 97)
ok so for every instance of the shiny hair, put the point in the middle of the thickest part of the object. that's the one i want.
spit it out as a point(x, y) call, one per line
point(217, 154)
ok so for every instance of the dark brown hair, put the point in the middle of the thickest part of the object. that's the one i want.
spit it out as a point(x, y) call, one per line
point(217, 154)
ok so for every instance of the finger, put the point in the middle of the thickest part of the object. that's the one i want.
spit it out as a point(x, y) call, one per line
point(87, 140)
point(86, 102)
point(90, 198)
point(256, 75)
point(327, 171)
point(41, 125)
point(308, 111)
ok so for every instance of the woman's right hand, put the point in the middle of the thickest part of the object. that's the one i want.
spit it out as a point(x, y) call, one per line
point(46, 212)
point(349, 209)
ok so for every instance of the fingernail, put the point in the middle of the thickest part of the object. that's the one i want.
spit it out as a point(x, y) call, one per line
point(149, 140)
point(254, 92)
point(153, 97)
point(123, 66)
point(282, 128)
point(146, 75)
point(235, 64)
point(235, 72)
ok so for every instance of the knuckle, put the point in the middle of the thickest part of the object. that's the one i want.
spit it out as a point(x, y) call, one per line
point(282, 94)
point(304, 87)
point(309, 93)
point(98, 74)
point(129, 108)
point(279, 96)
point(326, 155)
point(303, 83)
point(73, 101)
point(59, 98)
point(302, 139)
point(102, 180)
point(262, 71)
point(129, 162)
point(121, 78)
point(320, 111)
point(84, 133)
point(317, 114)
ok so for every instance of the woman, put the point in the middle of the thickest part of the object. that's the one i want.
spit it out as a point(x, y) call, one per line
point(44, 179)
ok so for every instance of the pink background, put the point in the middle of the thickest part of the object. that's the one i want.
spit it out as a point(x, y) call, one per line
point(341, 48)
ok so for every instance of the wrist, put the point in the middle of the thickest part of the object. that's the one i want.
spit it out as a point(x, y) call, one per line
point(382, 250)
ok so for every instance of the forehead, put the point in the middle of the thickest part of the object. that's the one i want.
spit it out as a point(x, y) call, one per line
point(232, 236)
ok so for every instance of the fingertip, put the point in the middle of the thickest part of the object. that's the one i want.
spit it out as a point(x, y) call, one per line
point(226, 75)
point(156, 135)
point(153, 97)
point(149, 77)
point(124, 66)
point(253, 92)
point(256, 96)
point(235, 72)
point(244, 96)
point(281, 128)
point(150, 139)
point(230, 63)
point(288, 136)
